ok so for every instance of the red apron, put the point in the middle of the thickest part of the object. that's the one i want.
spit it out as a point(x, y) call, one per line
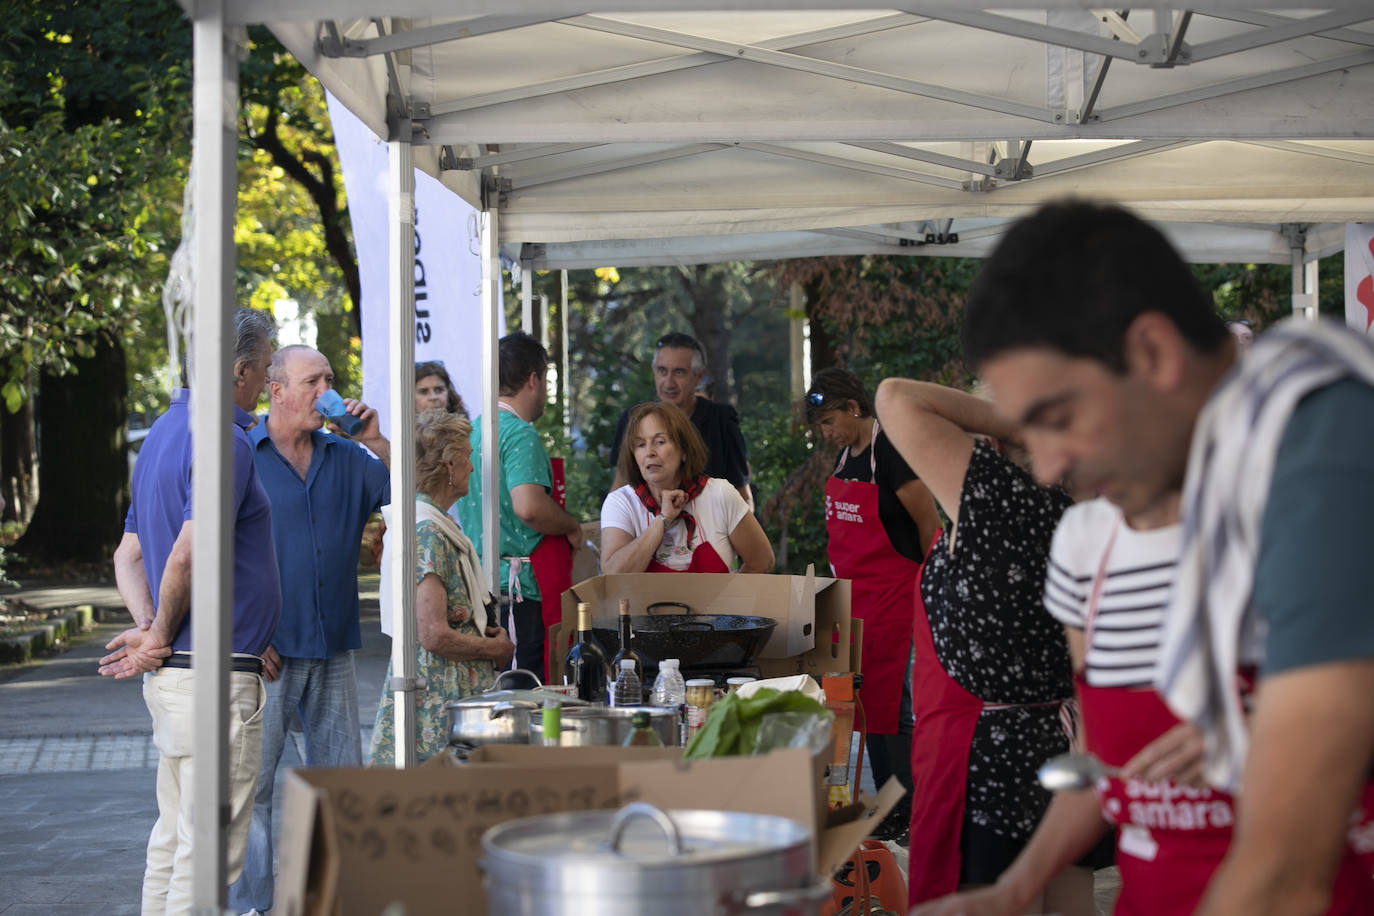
point(946, 717)
point(705, 559)
point(881, 580)
point(552, 563)
point(1171, 838)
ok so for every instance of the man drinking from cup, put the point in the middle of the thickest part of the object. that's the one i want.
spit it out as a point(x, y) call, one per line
point(323, 488)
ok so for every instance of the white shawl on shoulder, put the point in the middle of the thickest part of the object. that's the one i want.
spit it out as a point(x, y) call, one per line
point(469, 566)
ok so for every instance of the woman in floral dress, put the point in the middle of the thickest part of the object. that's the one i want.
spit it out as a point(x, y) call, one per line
point(459, 650)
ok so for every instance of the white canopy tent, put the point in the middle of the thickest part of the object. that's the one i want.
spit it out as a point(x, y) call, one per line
point(673, 132)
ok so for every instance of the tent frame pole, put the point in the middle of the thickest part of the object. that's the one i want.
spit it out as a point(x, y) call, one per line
point(215, 133)
point(401, 405)
point(491, 388)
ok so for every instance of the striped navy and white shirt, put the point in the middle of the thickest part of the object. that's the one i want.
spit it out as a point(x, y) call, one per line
point(1135, 595)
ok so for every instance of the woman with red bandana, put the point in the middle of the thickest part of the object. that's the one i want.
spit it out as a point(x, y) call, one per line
point(671, 517)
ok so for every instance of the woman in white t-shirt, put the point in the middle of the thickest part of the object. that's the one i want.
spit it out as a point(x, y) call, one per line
point(671, 517)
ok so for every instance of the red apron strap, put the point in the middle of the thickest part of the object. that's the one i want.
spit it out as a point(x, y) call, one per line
point(552, 564)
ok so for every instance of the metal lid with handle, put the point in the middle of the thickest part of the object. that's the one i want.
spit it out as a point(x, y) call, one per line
point(641, 858)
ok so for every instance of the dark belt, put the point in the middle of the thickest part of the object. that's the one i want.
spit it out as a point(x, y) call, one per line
point(248, 663)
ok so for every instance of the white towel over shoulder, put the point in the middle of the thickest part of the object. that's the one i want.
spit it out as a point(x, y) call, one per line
point(469, 566)
point(1211, 628)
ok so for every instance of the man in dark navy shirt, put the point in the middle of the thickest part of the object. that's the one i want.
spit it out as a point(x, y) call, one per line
point(679, 365)
point(153, 573)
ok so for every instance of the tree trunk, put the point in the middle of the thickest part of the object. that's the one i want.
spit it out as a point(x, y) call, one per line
point(822, 348)
point(18, 463)
point(709, 326)
point(83, 468)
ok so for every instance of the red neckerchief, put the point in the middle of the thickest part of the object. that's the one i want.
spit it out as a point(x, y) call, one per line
point(692, 488)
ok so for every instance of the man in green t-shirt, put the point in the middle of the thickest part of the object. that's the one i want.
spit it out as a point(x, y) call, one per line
point(529, 512)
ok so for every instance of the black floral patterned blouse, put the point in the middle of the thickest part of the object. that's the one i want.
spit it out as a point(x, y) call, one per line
point(994, 637)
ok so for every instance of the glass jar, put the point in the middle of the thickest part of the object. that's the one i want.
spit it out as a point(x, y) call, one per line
point(701, 693)
point(734, 683)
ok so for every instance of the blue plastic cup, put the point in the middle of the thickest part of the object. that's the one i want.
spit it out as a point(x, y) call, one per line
point(332, 406)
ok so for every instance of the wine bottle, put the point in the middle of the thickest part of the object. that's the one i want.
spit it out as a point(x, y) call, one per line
point(627, 644)
point(585, 663)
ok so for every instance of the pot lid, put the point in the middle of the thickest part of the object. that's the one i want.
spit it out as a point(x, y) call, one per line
point(536, 697)
point(640, 835)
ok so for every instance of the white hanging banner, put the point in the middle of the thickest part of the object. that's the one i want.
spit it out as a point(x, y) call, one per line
point(1359, 276)
point(448, 268)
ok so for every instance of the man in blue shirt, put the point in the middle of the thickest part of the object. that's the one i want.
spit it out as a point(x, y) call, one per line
point(153, 573)
point(323, 489)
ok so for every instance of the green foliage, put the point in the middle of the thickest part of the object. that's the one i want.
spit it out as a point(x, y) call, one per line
point(279, 231)
point(91, 136)
point(1262, 293)
point(789, 473)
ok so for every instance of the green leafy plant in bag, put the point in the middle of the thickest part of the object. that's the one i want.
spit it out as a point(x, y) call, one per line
point(732, 724)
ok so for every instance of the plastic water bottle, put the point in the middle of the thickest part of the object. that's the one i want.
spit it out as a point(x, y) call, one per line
point(628, 690)
point(669, 687)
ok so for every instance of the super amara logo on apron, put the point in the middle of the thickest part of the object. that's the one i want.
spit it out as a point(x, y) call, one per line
point(1167, 805)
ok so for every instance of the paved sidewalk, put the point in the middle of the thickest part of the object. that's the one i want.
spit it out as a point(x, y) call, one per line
point(77, 768)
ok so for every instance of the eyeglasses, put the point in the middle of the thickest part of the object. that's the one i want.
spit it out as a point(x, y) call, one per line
point(815, 398)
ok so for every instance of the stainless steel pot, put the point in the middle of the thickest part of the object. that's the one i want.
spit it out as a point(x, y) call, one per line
point(608, 726)
point(643, 860)
point(499, 716)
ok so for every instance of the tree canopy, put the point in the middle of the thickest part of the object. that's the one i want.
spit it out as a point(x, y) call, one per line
point(93, 140)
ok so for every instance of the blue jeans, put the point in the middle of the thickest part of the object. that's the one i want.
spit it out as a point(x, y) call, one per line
point(324, 691)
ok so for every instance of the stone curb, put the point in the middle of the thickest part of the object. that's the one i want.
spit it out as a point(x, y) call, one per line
point(25, 646)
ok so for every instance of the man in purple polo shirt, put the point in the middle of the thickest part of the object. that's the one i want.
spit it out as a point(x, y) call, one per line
point(323, 489)
point(153, 573)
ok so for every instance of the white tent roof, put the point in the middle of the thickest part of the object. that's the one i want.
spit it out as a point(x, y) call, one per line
point(818, 127)
point(659, 134)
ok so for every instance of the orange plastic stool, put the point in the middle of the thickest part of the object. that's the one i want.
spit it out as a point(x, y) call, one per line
point(872, 879)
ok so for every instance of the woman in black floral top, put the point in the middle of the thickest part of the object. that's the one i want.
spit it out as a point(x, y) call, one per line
point(993, 678)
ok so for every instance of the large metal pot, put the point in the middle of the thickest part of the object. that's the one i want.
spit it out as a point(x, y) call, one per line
point(499, 716)
point(697, 640)
point(643, 860)
point(608, 726)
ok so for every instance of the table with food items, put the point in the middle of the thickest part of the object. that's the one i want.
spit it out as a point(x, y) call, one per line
point(671, 758)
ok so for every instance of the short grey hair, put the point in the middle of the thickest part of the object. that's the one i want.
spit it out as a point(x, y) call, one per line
point(254, 331)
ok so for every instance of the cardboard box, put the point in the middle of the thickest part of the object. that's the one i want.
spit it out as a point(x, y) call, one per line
point(354, 841)
point(813, 617)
